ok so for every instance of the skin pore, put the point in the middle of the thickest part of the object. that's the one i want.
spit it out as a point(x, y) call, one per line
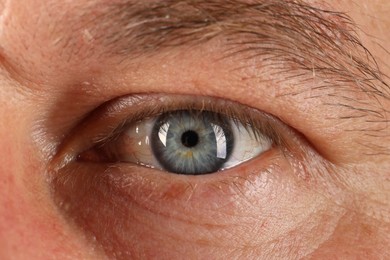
point(314, 72)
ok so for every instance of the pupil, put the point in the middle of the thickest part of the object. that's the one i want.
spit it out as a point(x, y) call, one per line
point(189, 139)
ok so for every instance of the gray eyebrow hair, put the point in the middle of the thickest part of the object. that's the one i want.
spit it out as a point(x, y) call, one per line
point(291, 32)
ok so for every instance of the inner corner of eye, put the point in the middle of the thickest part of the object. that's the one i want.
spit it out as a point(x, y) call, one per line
point(184, 142)
point(90, 155)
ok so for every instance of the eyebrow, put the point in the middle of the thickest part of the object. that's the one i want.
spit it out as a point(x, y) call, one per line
point(291, 35)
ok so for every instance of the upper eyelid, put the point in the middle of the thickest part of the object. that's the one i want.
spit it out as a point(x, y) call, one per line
point(307, 47)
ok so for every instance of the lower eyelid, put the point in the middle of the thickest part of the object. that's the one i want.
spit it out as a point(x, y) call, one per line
point(122, 201)
point(138, 182)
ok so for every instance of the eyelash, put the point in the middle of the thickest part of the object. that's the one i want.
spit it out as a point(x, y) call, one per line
point(252, 123)
point(119, 114)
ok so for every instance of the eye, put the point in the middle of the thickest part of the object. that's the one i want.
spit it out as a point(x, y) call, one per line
point(190, 142)
point(186, 135)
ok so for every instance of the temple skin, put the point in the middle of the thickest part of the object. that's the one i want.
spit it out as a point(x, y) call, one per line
point(53, 73)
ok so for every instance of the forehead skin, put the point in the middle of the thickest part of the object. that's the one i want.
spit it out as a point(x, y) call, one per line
point(35, 47)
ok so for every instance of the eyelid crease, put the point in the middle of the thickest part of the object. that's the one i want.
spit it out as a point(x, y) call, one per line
point(109, 120)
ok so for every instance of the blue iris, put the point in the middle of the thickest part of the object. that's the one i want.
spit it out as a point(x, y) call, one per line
point(192, 142)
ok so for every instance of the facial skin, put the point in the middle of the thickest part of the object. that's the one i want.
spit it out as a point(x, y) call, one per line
point(72, 71)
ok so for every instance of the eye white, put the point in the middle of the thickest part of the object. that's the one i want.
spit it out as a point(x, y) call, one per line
point(247, 145)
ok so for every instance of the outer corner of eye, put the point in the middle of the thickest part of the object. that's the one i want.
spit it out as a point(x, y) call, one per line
point(189, 142)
